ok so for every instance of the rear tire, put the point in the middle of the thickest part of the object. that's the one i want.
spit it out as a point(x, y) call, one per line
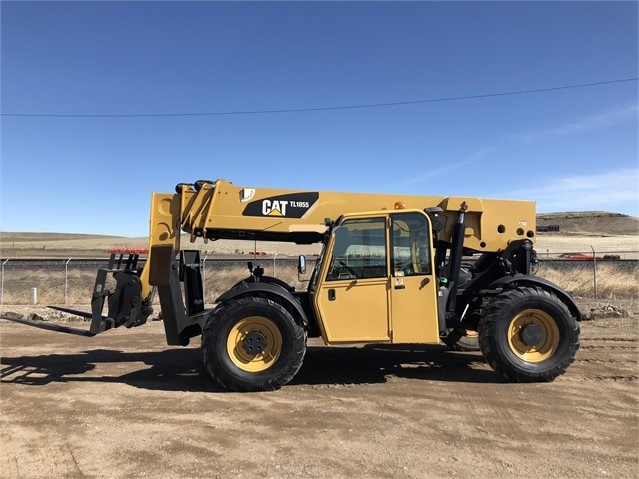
point(527, 335)
point(462, 340)
point(252, 344)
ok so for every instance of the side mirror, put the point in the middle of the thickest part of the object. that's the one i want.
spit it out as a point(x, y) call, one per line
point(437, 218)
point(301, 264)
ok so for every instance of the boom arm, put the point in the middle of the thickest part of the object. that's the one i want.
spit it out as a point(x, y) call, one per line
point(221, 210)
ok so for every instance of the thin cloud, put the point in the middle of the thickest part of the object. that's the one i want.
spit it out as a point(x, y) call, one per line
point(614, 191)
point(595, 122)
point(478, 155)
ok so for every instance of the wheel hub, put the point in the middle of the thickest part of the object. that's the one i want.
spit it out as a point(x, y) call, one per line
point(254, 343)
point(531, 335)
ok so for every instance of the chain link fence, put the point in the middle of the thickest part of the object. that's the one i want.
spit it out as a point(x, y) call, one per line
point(588, 274)
point(593, 274)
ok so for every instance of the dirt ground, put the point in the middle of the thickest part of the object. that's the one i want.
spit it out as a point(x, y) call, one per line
point(125, 405)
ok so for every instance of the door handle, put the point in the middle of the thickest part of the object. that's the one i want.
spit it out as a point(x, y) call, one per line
point(400, 286)
point(331, 294)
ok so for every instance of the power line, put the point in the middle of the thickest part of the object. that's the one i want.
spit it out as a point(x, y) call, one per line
point(326, 108)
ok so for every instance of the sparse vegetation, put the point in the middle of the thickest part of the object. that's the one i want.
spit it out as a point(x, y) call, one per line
point(613, 281)
point(580, 232)
point(50, 284)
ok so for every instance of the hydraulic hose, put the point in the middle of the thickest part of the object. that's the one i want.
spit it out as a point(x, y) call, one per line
point(456, 253)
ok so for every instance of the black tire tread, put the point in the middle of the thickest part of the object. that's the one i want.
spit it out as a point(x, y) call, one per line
point(458, 342)
point(493, 351)
point(214, 328)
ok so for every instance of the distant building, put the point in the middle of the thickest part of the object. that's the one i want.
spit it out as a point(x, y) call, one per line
point(548, 229)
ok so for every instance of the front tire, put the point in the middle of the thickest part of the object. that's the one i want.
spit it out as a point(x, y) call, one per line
point(527, 335)
point(252, 344)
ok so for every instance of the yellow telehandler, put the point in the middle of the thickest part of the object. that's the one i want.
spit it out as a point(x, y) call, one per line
point(393, 269)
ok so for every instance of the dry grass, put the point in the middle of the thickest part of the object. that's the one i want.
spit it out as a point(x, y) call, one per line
point(612, 282)
point(50, 285)
point(589, 231)
point(216, 283)
point(77, 246)
point(47, 245)
point(583, 244)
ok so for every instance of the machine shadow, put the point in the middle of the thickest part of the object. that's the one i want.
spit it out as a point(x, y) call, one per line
point(183, 370)
point(374, 363)
point(168, 370)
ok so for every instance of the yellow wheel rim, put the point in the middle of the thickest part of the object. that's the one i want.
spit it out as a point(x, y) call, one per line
point(546, 329)
point(257, 334)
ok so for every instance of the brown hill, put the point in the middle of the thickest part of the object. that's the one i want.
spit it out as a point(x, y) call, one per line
point(600, 223)
point(573, 225)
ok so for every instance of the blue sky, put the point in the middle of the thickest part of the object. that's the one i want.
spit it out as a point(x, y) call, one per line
point(106, 90)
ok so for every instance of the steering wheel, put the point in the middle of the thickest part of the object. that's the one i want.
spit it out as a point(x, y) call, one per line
point(348, 269)
point(405, 267)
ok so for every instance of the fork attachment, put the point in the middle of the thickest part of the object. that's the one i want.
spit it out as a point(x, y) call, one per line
point(125, 304)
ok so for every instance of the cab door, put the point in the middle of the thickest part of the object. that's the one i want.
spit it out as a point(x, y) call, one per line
point(377, 282)
point(413, 290)
point(352, 297)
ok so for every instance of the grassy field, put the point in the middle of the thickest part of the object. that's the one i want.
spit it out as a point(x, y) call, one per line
point(74, 286)
point(580, 232)
point(48, 246)
point(612, 281)
point(557, 243)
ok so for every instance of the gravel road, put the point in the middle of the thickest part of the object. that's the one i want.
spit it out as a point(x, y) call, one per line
point(125, 405)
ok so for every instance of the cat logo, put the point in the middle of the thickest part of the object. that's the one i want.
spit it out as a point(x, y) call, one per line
point(274, 207)
point(288, 205)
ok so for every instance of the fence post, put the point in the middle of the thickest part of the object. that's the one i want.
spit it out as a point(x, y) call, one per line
point(66, 282)
point(274, 256)
point(2, 282)
point(594, 271)
point(204, 278)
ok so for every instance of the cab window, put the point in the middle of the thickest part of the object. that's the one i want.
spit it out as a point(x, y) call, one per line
point(411, 245)
point(359, 250)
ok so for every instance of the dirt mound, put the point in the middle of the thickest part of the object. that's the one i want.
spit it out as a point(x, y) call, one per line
point(608, 311)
